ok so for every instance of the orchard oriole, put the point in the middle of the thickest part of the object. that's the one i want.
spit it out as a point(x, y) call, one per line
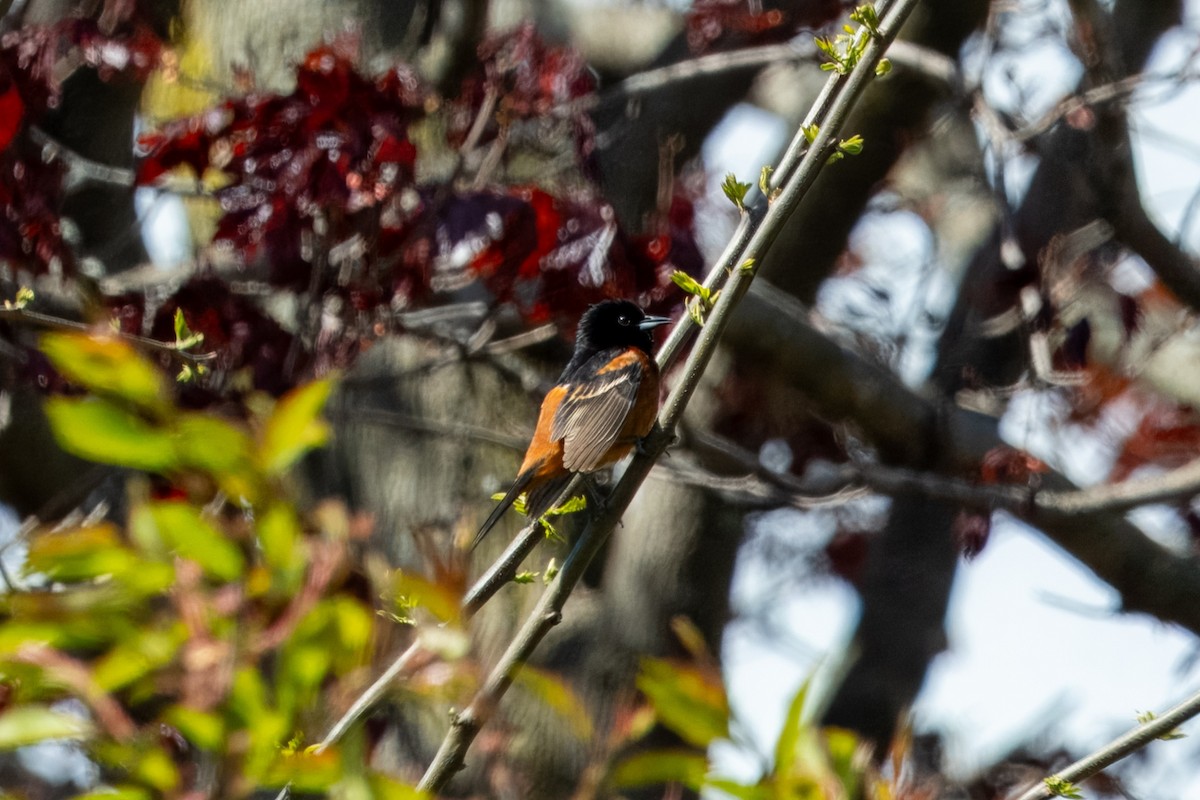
point(603, 403)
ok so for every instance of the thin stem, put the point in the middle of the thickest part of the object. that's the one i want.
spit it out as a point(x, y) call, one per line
point(1126, 745)
point(38, 320)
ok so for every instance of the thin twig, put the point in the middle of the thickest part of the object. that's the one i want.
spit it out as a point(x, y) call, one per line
point(761, 227)
point(1126, 745)
point(38, 320)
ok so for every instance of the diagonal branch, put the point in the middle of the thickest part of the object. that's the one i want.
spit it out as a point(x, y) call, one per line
point(1131, 742)
point(736, 268)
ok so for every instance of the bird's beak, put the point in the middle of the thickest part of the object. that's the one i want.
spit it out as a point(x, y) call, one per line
point(653, 322)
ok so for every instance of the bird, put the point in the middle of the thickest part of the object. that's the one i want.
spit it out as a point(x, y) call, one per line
point(603, 404)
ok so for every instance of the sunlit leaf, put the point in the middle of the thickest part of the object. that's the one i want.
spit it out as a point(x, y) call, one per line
point(116, 793)
point(295, 426)
point(742, 791)
point(688, 699)
point(443, 602)
point(556, 695)
point(387, 788)
point(101, 431)
point(202, 728)
point(29, 724)
point(223, 450)
point(108, 366)
point(842, 747)
point(137, 656)
point(279, 535)
point(654, 767)
point(787, 745)
point(183, 530)
point(141, 761)
point(79, 553)
point(305, 770)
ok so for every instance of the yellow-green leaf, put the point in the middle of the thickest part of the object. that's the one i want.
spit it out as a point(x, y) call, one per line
point(202, 728)
point(305, 770)
point(79, 553)
point(553, 691)
point(108, 366)
point(30, 724)
point(295, 426)
point(386, 788)
point(218, 447)
point(688, 699)
point(116, 793)
point(101, 431)
point(137, 656)
point(181, 529)
point(654, 767)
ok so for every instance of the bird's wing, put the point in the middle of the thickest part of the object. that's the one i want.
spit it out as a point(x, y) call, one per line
point(592, 415)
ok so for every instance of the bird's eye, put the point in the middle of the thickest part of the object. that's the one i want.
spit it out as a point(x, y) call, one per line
point(624, 319)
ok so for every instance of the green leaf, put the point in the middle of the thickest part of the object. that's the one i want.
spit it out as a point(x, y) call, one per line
point(1149, 716)
point(79, 554)
point(883, 67)
point(184, 336)
point(1062, 788)
point(295, 426)
point(108, 366)
point(307, 771)
point(741, 791)
point(868, 17)
point(140, 761)
point(387, 788)
point(202, 728)
point(116, 793)
point(30, 724)
point(146, 651)
point(688, 283)
point(23, 298)
point(101, 431)
point(690, 700)
point(735, 190)
point(525, 576)
point(220, 449)
point(278, 534)
point(653, 767)
point(811, 132)
point(764, 180)
point(181, 529)
point(556, 695)
point(787, 746)
point(852, 146)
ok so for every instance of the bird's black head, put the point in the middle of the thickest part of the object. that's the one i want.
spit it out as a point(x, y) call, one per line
point(615, 323)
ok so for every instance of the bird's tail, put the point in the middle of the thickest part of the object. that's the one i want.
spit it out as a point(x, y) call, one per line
point(519, 485)
point(541, 499)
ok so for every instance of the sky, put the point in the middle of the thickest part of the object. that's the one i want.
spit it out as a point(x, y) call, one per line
point(1034, 648)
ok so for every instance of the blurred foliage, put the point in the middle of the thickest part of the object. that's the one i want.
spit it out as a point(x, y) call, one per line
point(687, 698)
point(201, 639)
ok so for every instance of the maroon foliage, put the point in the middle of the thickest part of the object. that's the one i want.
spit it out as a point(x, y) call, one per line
point(34, 62)
point(523, 78)
point(971, 532)
point(714, 25)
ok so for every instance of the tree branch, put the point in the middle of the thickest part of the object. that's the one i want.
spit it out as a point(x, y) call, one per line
point(1126, 745)
point(908, 428)
point(758, 231)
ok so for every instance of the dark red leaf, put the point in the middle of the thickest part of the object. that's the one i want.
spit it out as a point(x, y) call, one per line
point(971, 532)
point(1007, 465)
